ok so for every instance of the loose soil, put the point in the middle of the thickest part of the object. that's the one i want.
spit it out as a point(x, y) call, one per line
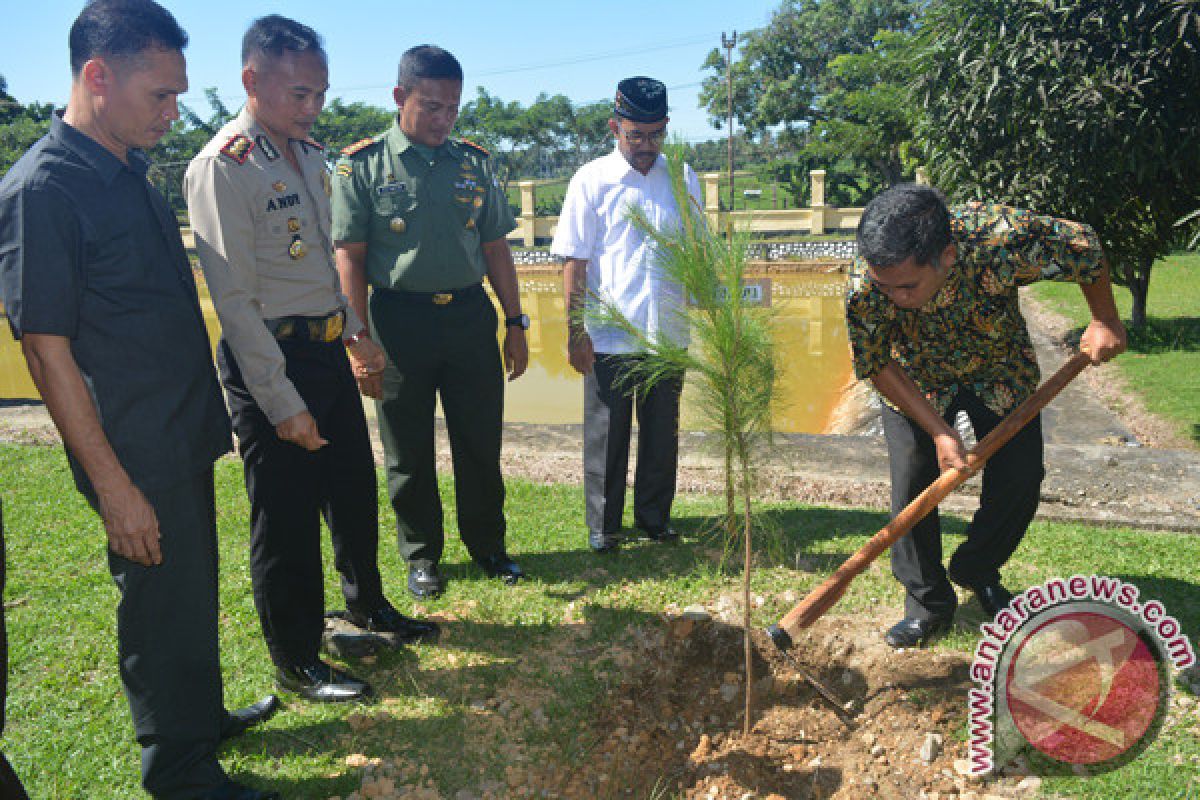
point(673, 726)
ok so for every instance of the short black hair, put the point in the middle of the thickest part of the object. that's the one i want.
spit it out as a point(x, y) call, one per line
point(122, 28)
point(907, 220)
point(273, 34)
point(427, 61)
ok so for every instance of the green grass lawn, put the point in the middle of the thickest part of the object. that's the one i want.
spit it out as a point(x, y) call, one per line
point(69, 735)
point(1163, 361)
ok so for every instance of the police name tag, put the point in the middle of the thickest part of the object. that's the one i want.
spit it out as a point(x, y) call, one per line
point(390, 188)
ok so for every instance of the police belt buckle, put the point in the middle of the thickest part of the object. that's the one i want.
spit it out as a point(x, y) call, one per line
point(331, 327)
point(442, 298)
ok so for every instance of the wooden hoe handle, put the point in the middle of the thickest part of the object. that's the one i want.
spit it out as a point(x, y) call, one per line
point(828, 593)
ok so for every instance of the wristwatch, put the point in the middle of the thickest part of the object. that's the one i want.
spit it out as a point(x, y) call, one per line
point(350, 341)
point(519, 321)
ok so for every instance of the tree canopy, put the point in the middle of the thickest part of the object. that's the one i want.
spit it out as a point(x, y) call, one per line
point(1088, 109)
point(828, 76)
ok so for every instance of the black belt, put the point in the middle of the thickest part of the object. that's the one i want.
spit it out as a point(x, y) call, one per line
point(442, 297)
point(308, 329)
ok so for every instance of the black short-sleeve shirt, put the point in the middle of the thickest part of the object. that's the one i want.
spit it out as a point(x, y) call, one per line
point(89, 250)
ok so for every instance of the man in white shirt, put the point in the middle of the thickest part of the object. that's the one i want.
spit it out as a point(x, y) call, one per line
point(607, 256)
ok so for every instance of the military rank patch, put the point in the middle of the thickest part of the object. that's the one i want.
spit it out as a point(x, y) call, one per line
point(238, 148)
point(359, 145)
point(344, 170)
point(267, 148)
point(480, 148)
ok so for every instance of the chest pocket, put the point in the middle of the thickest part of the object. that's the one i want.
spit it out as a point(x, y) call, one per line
point(114, 259)
point(395, 212)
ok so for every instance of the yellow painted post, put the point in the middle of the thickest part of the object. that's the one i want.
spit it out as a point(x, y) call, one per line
point(712, 199)
point(528, 213)
point(817, 182)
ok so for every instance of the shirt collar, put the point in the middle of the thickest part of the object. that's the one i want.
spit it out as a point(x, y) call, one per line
point(618, 168)
point(248, 123)
point(400, 141)
point(94, 154)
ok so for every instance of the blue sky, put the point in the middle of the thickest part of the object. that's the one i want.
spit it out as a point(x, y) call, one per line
point(515, 50)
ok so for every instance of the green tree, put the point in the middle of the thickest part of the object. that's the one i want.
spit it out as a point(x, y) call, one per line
point(1088, 109)
point(342, 124)
point(585, 132)
point(830, 76)
point(20, 126)
point(495, 125)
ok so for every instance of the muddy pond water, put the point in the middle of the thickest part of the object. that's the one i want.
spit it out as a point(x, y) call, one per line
point(811, 335)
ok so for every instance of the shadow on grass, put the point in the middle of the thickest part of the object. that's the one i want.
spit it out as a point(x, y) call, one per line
point(787, 537)
point(473, 704)
point(1180, 598)
point(1158, 335)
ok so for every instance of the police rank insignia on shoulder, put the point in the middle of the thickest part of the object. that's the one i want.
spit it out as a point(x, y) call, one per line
point(238, 148)
point(359, 145)
point(344, 170)
point(478, 147)
point(267, 148)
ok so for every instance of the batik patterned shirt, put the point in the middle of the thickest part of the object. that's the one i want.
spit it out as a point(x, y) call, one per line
point(971, 335)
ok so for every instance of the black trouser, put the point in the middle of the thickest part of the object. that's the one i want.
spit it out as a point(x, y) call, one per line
point(290, 489)
point(1011, 482)
point(167, 644)
point(10, 784)
point(447, 351)
point(608, 407)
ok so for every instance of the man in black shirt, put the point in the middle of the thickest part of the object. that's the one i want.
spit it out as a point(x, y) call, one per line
point(10, 784)
point(98, 289)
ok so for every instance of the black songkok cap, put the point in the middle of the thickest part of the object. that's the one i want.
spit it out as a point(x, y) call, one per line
point(641, 99)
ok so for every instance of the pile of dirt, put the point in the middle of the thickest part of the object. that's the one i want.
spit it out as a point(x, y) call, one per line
point(674, 727)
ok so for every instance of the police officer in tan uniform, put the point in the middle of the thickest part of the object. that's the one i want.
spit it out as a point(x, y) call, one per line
point(258, 195)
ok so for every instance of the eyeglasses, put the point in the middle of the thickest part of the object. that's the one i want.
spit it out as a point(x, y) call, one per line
point(638, 137)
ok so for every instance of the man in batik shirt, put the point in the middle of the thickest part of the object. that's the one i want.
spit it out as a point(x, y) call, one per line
point(935, 325)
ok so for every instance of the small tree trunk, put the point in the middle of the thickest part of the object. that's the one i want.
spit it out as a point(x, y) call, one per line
point(744, 467)
point(1139, 288)
point(730, 491)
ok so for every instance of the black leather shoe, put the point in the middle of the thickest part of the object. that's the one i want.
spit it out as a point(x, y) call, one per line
point(231, 790)
point(502, 567)
point(914, 632)
point(387, 619)
point(239, 720)
point(425, 581)
point(667, 534)
point(320, 682)
point(993, 598)
point(604, 542)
